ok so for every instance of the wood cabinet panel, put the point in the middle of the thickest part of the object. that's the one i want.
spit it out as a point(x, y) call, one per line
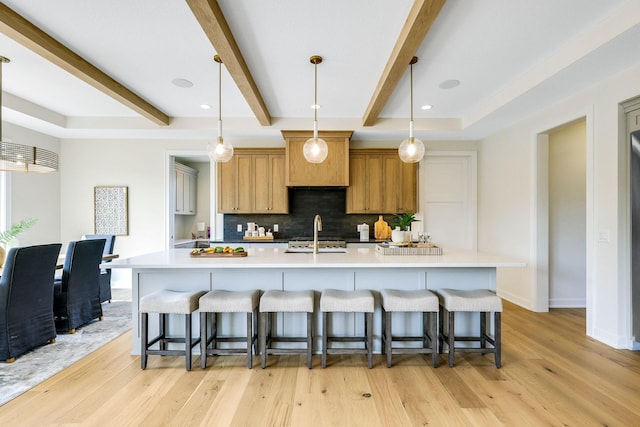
point(253, 182)
point(334, 171)
point(381, 183)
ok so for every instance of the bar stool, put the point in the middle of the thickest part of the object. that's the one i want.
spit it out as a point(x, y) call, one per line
point(420, 301)
point(164, 303)
point(479, 300)
point(276, 301)
point(334, 301)
point(219, 301)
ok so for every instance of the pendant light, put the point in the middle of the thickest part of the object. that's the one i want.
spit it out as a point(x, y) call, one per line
point(411, 150)
point(23, 158)
point(220, 150)
point(315, 149)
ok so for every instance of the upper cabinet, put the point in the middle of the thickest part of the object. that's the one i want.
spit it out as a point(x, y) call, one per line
point(381, 183)
point(185, 189)
point(334, 171)
point(253, 182)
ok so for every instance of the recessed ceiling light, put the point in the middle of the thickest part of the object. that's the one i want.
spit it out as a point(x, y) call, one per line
point(182, 83)
point(426, 107)
point(205, 106)
point(449, 84)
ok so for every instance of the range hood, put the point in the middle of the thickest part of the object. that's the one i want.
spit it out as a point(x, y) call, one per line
point(333, 172)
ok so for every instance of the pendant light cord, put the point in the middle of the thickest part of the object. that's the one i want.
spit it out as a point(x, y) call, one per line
point(315, 88)
point(411, 88)
point(219, 92)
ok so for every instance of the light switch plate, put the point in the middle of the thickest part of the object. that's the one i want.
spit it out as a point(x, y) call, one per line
point(239, 228)
point(275, 228)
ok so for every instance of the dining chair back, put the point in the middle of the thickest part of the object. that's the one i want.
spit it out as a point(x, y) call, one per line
point(26, 299)
point(105, 273)
point(76, 299)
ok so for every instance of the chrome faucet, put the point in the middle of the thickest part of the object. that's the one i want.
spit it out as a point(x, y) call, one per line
point(317, 226)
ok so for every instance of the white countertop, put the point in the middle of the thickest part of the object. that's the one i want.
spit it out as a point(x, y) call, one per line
point(277, 258)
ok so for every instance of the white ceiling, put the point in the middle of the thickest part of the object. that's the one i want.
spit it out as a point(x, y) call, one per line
point(512, 57)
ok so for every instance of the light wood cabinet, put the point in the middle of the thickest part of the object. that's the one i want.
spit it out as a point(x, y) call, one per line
point(270, 194)
point(186, 183)
point(253, 182)
point(334, 171)
point(381, 183)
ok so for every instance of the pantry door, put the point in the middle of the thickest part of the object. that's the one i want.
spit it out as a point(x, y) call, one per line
point(449, 198)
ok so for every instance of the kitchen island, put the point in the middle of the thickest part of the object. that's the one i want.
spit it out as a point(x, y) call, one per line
point(274, 268)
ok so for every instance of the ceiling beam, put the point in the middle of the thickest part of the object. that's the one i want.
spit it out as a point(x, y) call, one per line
point(212, 21)
point(24, 32)
point(422, 15)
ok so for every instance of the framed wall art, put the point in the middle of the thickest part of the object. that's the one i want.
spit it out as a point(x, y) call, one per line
point(111, 210)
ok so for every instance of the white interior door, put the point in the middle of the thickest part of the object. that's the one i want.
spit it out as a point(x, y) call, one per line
point(449, 198)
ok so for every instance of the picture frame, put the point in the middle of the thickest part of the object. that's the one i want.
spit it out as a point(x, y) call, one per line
point(111, 210)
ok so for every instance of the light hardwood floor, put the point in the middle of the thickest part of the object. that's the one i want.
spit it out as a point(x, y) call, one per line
point(551, 375)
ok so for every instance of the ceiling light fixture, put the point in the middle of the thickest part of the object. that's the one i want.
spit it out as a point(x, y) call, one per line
point(23, 158)
point(315, 149)
point(411, 150)
point(220, 150)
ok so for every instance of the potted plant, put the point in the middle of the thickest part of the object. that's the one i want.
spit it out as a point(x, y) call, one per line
point(8, 235)
point(402, 222)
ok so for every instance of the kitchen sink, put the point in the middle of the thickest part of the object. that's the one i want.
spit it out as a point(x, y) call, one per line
point(320, 250)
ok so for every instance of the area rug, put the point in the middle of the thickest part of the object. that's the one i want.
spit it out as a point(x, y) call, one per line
point(36, 366)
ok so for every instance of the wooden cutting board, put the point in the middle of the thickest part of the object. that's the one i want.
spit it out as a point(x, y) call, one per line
point(218, 254)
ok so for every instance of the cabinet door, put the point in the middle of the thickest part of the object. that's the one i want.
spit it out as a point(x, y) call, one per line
point(375, 184)
point(226, 187)
point(408, 201)
point(392, 184)
point(190, 193)
point(244, 183)
point(358, 186)
point(179, 191)
point(261, 184)
point(279, 191)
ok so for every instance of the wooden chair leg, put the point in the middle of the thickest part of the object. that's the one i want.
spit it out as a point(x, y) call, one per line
point(325, 339)
point(388, 331)
point(498, 338)
point(433, 331)
point(369, 330)
point(249, 340)
point(309, 340)
point(451, 337)
point(203, 339)
point(263, 338)
point(187, 341)
point(144, 340)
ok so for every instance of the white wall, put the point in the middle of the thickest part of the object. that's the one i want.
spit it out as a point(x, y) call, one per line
point(567, 216)
point(507, 210)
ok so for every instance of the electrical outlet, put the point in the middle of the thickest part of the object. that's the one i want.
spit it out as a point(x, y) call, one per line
point(239, 228)
point(275, 228)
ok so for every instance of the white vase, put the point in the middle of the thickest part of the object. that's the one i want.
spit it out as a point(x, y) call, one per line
point(398, 236)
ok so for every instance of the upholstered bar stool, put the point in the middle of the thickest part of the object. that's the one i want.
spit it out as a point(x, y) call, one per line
point(276, 301)
point(480, 300)
point(219, 301)
point(420, 301)
point(334, 301)
point(163, 303)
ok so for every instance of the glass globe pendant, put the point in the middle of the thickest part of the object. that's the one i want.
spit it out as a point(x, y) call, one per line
point(315, 150)
point(219, 150)
point(411, 150)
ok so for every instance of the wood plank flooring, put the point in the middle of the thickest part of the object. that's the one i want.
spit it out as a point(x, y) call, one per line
point(552, 375)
